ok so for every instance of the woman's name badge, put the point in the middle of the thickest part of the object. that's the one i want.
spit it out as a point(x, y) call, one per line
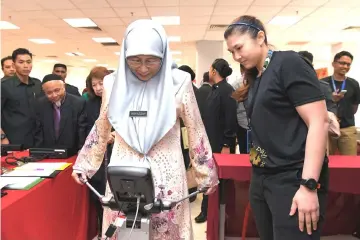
point(138, 113)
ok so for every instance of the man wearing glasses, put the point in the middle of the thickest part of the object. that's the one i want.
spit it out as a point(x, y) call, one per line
point(346, 95)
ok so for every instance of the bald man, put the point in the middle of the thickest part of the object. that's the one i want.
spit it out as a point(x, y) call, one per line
point(60, 117)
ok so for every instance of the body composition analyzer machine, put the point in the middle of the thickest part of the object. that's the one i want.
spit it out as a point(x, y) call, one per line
point(133, 195)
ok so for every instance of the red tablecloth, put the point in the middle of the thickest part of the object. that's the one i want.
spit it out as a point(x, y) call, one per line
point(343, 172)
point(55, 209)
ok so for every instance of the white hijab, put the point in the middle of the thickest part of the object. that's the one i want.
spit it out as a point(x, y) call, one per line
point(156, 96)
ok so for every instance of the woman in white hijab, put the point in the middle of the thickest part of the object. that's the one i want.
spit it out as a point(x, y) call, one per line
point(147, 80)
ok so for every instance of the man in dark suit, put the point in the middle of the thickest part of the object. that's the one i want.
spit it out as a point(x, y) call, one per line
point(61, 70)
point(203, 92)
point(60, 117)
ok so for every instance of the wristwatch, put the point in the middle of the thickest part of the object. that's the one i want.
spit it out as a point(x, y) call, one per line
point(310, 184)
point(3, 136)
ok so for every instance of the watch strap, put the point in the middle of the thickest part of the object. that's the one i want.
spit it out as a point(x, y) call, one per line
point(311, 184)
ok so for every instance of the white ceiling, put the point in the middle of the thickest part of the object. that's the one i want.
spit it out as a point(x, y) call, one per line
point(321, 22)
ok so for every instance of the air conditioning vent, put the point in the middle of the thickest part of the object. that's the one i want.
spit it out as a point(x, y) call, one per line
point(91, 28)
point(352, 28)
point(74, 54)
point(218, 27)
point(107, 44)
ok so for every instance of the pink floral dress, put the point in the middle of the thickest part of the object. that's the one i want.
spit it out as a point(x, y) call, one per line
point(168, 167)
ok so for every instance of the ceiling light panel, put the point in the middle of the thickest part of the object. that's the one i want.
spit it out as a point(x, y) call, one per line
point(4, 25)
point(80, 22)
point(104, 40)
point(41, 41)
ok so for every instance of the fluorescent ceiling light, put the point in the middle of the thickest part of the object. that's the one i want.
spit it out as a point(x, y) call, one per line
point(177, 59)
point(174, 38)
point(90, 60)
point(80, 22)
point(117, 53)
point(176, 52)
point(104, 40)
point(102, 65)
point(284, 20)
point(6, 25)
point(167, 20)
point(41, 40)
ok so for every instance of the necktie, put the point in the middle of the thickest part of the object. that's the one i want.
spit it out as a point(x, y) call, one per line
point(56, 120)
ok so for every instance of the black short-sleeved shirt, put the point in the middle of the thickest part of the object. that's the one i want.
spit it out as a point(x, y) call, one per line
point(17, 112)
point(220, 116)
point(345, 107)
point(277, 131)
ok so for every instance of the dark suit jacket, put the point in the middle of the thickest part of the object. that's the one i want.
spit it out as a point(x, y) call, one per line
point(72, 90)
point(92, 111)
point(201, 96)
point(72, 124)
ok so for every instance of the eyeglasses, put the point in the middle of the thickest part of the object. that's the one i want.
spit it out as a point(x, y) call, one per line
point(344, 63)
point(136, 62)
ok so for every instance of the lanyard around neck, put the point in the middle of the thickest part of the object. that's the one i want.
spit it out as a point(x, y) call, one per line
point(265, 66)
point(334, 86)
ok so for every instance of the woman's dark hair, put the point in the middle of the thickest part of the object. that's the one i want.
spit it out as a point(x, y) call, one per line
point(206, 77)
point(246, 25)
point(222, 67)
point(96, 72)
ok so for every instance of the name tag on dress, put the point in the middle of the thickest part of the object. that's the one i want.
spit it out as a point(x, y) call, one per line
point(138, 113)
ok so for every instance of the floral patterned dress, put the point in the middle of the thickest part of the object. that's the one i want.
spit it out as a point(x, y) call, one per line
point(167, 164)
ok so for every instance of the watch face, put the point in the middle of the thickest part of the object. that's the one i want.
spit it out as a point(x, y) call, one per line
point(311, 184)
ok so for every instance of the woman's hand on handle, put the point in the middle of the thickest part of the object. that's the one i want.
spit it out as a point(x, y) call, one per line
point(211, 190)
point(79, 178)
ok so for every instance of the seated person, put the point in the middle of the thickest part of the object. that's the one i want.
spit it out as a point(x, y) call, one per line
point(60, 117)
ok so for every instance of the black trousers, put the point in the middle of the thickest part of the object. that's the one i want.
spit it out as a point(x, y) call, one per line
point(241, 135)
point(271, 198)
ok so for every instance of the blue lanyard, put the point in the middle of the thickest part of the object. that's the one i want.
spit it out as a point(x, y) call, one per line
point(334, 86)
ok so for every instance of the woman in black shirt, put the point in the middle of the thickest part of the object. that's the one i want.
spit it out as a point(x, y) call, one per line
point(219, 117)
point(289, 126)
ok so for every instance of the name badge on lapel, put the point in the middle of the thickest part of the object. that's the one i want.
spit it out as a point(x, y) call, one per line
point(138, 113)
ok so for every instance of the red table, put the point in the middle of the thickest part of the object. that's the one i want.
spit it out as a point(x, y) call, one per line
point(55, 209)
point(344, 170)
